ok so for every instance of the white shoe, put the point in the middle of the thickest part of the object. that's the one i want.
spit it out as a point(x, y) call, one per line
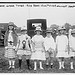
point(13, 66)
point(41, 68)
point(35, 69)
point(59, 67)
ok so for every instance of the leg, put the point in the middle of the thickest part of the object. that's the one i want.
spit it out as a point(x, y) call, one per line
point(51, 62)
point(20, 61)
point(62, 62)
point(28, 63)
point(10, 63)
point(35, 65)
point(71, 63)
point(47, 61)
point(13, 63)
point(40, 65)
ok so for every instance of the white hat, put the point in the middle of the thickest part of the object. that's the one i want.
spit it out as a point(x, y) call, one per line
point(38, 28)
point(48, 30)
point(10, 23)
point(24, 28)
point(73, 31)
point(61, 28)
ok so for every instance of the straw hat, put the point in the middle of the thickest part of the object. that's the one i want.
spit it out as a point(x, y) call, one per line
point(24, 28)
point(49, 30)
point(73, 31)
point(61, 28)
point(10, 23)
point(38, 28)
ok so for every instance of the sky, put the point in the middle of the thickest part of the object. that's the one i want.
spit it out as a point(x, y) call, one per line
point(53, 15)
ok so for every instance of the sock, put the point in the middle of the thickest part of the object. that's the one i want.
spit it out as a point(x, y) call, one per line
point(10, 62)
point(13, 63)
point(35, 65)
point(51, 63)
point(60, 65)
point(63, 64)
point(20, 61)
point(71, 65)
point(47, 63)
point(41, 65)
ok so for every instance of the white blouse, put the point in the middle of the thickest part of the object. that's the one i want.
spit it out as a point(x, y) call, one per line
point(49, 43)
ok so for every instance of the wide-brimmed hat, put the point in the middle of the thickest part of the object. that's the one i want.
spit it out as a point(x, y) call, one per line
point(61, 28)
point(24, 28)
point(10, 23)
point(73, 31)
point(38, 28)
point(49, 30)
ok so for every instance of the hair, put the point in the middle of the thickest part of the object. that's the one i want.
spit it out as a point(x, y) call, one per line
point(12, 30)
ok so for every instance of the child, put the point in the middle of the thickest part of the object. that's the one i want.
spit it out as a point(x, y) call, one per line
point(10, 54)
point(24, 47)
point(72, 46)
point(10, 41)
point(49, 46)
point(38, 52)
point(61, 47)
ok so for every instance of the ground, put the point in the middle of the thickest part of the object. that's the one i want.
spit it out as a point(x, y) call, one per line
point(4, 66)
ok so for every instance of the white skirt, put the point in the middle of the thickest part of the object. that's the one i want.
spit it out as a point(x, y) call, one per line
point(38, 55)
point(23, 52)
point(62, 54)
point(20, 52)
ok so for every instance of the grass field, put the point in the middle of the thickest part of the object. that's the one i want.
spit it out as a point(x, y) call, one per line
point(4, 66)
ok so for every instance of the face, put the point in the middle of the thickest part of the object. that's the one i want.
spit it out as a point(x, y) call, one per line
point(62, 31)
point(10, 44)
point(48, 34)
point(11, 27)
point(38, 32)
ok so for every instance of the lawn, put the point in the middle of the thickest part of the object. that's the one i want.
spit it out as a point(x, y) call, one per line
point(4, 66)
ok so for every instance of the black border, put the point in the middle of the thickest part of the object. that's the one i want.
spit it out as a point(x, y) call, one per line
point(40, 2)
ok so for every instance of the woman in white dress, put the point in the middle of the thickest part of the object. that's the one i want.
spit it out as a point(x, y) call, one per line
point(24, 47)
point(71, 46)
point(50, 46)
point(10, 41)
point(38, 51)
point(61, 47)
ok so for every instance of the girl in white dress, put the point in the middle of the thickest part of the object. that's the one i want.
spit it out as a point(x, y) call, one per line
point(49, 46)
point(38, 51)
point(71, 46)
point(61, 47)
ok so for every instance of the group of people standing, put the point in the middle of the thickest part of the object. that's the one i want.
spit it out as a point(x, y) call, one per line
point(38, 48)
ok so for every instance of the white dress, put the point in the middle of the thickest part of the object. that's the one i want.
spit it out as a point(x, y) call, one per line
point(38, 52)
point(61, 44)
point(50, 44)
point(72, 46)
point(21, 51)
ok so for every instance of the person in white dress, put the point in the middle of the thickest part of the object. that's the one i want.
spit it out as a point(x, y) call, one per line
point(71, 46)
point(38, 51)
point(61, 47)
point(50, 46)
point(24, 47)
